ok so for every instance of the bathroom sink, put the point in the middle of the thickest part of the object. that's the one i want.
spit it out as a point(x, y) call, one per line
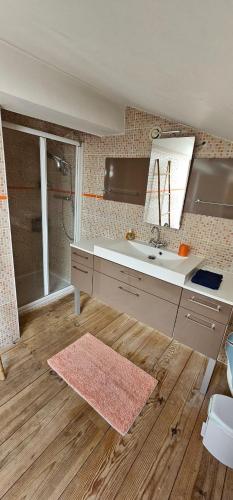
point(158, 254)
point(157, 262)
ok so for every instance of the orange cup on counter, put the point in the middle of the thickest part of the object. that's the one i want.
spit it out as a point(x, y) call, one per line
point(183, 250)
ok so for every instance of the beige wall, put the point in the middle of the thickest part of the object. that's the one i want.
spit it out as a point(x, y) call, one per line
point(9, 328)
point(211, 237)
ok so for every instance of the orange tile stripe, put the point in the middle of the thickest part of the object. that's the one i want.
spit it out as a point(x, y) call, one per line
point(85, 195)
point(93, 195)
point(3, 197)
point(55, 190)
point(100, 196)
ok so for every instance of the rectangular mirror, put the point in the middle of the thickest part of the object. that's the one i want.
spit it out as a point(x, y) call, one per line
point(167, 180)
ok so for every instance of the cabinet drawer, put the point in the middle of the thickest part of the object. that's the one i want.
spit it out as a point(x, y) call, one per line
point(151, 310)
point(200, 333)
point(139, 280)
point(81, 277)
point(82, 257)
point(206, 306)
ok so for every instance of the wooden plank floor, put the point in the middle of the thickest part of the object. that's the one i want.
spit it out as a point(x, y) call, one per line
point(54, 445)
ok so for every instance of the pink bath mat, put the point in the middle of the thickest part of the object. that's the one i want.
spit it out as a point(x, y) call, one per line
point(116, 388)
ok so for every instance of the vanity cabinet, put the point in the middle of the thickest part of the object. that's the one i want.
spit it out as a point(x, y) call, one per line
point(154, 286)
point(199, 332)
point(82, 270)
point(201, 322)
point(82, 277)
point(81, 257)
point(191, 318)
point(148, 299)
point(211, 308)
point(150, 309)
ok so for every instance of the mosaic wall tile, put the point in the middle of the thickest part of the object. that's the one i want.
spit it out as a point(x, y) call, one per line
point(209, 237)
point(9, 326)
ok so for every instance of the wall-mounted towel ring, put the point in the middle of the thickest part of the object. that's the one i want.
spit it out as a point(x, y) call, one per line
point(157, 132)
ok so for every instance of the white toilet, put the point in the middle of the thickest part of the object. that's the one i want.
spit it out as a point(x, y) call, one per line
point(217, 432)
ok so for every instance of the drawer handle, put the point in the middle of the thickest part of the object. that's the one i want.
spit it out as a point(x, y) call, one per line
point(216, 309)
point(131, 275)
point(81, 270)
point(211, 326)
point(79, 255)
point(128, 291)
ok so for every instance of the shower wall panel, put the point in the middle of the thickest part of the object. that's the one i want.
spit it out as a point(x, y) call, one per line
point(60, 213)
point(59, 250)
point(23, 180)
point(22, 155)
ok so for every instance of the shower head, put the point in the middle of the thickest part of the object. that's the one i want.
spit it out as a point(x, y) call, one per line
point(62, 165)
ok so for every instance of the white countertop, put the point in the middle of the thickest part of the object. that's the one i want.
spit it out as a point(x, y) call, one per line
point(85, 245)
point(223, 294)
point(165, 264)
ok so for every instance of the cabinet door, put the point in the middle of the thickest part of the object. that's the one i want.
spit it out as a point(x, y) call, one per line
point(211, 308)
point(142, 281)
point(151, 310)
point(82, 257)
point(201, 333)
point(81, 277)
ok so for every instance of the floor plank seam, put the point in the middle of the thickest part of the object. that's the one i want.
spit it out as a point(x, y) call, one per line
point(162, 409)
point(146, 437)
point(38, 457)
point(45, 370)
point(68, 451)
point(185, 450)
point(225, 475)
point(67, 486)
point(206, 397)
point(33, 415)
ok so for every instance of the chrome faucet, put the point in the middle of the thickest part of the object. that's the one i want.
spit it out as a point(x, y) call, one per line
point(157, 242)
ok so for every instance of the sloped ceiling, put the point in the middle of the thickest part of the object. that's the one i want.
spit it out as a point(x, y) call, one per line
point(168, 57)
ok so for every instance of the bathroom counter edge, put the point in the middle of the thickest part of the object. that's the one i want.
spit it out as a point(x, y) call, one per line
point(223, 294)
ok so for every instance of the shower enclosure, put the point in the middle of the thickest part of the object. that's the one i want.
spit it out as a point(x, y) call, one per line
point(42, 176)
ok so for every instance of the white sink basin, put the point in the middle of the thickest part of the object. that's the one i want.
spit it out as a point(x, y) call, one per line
point(151, 253)
point(157, 262)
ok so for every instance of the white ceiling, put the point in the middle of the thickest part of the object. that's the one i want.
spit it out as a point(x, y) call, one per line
point(172, 57)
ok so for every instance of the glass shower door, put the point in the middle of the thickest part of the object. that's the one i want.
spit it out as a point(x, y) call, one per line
point(60, 203)
point(22, 156)
point(41, 172)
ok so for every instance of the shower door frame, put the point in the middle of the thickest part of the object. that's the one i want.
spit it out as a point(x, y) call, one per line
point(43, 136)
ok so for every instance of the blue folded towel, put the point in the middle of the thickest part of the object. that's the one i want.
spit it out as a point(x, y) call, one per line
point(207, 279)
